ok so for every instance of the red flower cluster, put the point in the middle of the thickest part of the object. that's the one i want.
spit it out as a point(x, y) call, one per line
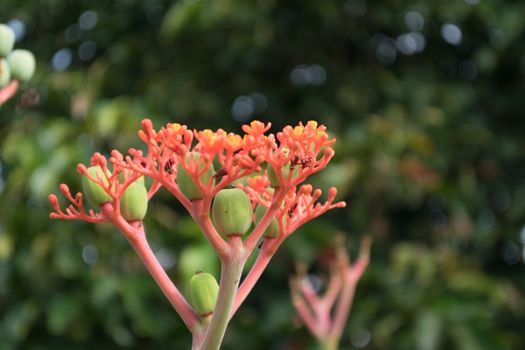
point(266, 166)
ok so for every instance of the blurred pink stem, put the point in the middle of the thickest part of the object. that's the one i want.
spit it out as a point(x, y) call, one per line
point(8, 91)
point(351, 276)
point(306, 315)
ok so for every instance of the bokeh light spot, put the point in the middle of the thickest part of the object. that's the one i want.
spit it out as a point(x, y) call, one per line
point(62, 59)
point(18, 27)
point(88, 20)
point(451, 34)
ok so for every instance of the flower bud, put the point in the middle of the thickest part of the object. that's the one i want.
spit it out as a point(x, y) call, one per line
point(5, 73)
point(22, 64)
point(273, 230)
point(186, 182)
point(203, 293)
point(134, 201)
point(232, 212)
point(93, 191)
point(7, 40)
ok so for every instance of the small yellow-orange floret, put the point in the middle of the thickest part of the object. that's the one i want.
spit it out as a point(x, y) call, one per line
point(256, 128)
point(176, 127)
point(233, 142)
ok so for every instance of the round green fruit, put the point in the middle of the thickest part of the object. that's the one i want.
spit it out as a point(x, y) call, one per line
point(140, 180)
point(7, 40)
point(273, 230)
point(5, 73)
point(93, 191)
point(232, 212)
point(185, 180)
point(22, 64)
point(285, 171)
point(203, 293)
point(134, 201)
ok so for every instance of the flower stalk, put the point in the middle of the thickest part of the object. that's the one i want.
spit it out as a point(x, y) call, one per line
point(175, 150)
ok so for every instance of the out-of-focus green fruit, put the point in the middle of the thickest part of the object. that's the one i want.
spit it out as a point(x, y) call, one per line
point(22, 64)
point(273, 230)
point(93, 191)
point(5, 73)
point(134, 201)
point(274, 179)
point(140, 180)
point(203, 293)
point(232, 212)
point(185, 181)
point(197, 257)
point(7, 40)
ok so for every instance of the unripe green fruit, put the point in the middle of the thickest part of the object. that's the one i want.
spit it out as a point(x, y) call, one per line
point(93, 191)
point(285, 170)
point(140, 180)
point(185, 180)
point(232, 212)
point(273, 230)
point(5, 73)
point(134, 201)
point(203, 293)
point(7, 40)
point(22, 64)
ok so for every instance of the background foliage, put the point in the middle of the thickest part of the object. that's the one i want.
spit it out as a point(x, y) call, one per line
point(426, 99)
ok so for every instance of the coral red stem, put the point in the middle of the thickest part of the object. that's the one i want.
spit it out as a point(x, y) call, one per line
point(137, 238)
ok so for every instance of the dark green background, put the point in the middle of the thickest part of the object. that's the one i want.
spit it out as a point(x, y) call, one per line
point(429, 157)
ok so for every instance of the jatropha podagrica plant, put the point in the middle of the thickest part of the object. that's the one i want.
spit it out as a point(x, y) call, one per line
point(325, 315)
point(15, 65)
point(243, 191)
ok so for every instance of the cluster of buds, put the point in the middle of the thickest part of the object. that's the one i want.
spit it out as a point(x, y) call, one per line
point(15, 65)
point(325, 315)
point(229, 184)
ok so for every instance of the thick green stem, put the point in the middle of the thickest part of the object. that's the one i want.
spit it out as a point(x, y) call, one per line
point(329, 343)
point(231, 271)
point(199, 333)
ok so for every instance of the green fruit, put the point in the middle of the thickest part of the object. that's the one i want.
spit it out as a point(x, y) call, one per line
point(203, 293)
point(273, 230)
point(185, 180)
point(22, 64)
point(274, 179)
point(5, 73)
point(7, 40)
point(134, 201)
point(93, 191)
point(140, 180)
point(232, 212)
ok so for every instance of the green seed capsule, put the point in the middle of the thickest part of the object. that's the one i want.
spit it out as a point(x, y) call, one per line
point(273, 230)
point(140, 180)
point(274, 179)
point(185, 180)
point(22, 64)
point(5, 73)
point(232, 212)
point(7, 40)
point(93, 191)
point(203, 293)
point(134, 201)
